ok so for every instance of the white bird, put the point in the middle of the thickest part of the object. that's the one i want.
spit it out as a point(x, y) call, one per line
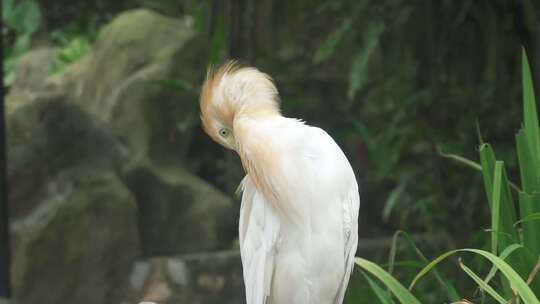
point(299, 214)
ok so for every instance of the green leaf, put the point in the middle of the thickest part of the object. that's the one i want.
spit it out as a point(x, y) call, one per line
point(359, 69)
point(329, 45)
point(530, 116)
point(470, 163)
point(24, 17)
point(507, 212)
point(401, 293)
point(32, 17)
point(528, 218)
point(7, 9)
point(495, 207)
point(487, 160)
point(217, 43)
point(527, 168)
point(393, 198)
point(530, 14)
point(460, 159)
point(478, 132)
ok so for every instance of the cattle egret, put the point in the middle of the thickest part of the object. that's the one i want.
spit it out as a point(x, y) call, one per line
point(299, 214)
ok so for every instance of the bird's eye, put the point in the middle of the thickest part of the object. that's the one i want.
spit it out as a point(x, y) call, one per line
point(224, 132)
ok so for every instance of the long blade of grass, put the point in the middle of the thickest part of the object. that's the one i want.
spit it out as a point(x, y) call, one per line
point(530, 116)
point(470, 163)
point(460, 159)
point(393, 198)
point(519, 285)
point(401, 293)
point(483, 285)
point(495, 207)
point(527, 169)
point(530, 221)
point(507, 213)
point(528, 218)
point(487, 160)
point(529, 204)
point(530, 168)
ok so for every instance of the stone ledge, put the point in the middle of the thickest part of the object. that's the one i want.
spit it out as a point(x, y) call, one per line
point(214, 277)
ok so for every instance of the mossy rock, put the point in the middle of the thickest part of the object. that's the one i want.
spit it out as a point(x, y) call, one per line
point(204, 278)
point(45, 138)
point(126, 80)
point(180, 213)
point(79, 245)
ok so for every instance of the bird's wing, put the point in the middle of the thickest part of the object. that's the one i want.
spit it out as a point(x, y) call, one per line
point(351, 207)
point(259, 228)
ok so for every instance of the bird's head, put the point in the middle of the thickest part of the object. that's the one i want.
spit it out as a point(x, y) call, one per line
point(231, 92)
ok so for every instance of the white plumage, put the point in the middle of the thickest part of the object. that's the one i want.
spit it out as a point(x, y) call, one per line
point(299, 213)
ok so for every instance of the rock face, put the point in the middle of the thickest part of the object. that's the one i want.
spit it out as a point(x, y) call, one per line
point(96, 170)
point(32, 68)
point(137, 80)
point(47, 138)
point(126, 82)
point(75, 227)
point(79, 245)
point(192, 278)
point(180, 213)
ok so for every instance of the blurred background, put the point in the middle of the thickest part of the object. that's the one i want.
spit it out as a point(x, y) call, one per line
point(116, 195)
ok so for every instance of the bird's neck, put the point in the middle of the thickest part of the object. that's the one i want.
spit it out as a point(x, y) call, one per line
point(255, 144)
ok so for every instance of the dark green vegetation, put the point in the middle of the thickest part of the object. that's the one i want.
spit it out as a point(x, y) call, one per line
point(400, 84)
point(514, 237)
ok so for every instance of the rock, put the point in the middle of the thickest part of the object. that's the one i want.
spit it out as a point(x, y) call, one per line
point(138, 78)
point(46, 137)
point(33, 67)
point(180, 213)
point(79, 245)
point(97, 160)
point(74, 227)
point(202, 278)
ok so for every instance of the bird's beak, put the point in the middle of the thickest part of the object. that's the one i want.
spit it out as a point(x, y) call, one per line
point(231, 142)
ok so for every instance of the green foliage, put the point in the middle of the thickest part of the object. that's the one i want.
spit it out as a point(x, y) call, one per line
point(73, 42)
point(217, 44)
point(359, 69)
point(514, 236)
point(22, 20)
point(410, 72)
point(73, 50)
point(329, 46)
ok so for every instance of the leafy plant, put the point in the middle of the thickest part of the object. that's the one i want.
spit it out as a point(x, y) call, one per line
point(22, 20)
point(515, 227)
point(404, 66)
point(72, 50)
point(74, 41)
